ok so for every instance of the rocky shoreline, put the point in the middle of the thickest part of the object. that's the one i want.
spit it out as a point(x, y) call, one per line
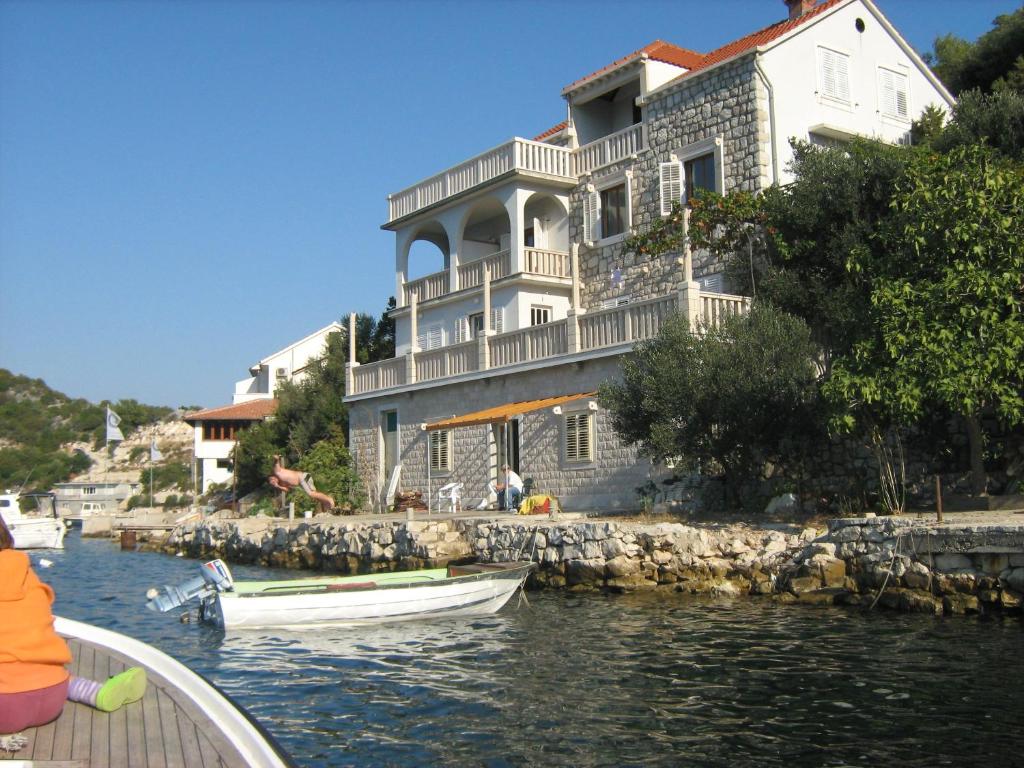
point(897, 563)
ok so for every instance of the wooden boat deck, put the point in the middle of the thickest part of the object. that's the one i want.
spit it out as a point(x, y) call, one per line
point(164, 729)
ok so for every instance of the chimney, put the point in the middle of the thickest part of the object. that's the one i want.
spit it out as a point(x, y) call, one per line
point(798, 8)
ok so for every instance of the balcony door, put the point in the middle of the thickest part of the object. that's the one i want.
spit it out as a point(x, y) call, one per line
point(389, 443)
point(506, 444)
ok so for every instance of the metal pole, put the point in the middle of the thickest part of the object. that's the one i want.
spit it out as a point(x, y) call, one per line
point(938, 499)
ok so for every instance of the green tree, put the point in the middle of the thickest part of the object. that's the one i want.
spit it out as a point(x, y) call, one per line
point(735, 397)
point(994, 62)
point(947, 298)
point(331, 466)
point(995, 118)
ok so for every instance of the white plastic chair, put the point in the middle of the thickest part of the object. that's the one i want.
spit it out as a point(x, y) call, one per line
point(450, 493)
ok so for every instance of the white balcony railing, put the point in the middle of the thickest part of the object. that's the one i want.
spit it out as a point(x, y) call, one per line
point(547, 263)
point(609, 149)
point(428, 287)
point(528, 344)
point(515, 155)
point(472, 274)
point(596, 330)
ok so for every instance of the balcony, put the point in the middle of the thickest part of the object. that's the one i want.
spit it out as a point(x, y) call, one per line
point(516, 156)
point(536, 262)
point(609, 149)
point(608, 329)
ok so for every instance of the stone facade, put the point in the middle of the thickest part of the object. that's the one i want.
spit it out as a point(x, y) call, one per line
point(610, 481)
point(727, 103)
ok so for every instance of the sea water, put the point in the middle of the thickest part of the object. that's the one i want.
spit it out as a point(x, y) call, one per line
point(653, 679)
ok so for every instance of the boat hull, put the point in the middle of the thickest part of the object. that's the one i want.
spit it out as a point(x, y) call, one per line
point(37, 532)
point(350, 601)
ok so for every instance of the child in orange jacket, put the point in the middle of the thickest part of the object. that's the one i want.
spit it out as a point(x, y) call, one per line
point(33, 681)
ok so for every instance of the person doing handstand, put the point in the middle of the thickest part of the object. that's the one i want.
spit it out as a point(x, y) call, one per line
point(33, 681)
point(285, 479)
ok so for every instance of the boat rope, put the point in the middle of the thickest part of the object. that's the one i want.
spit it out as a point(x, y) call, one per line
point(888, 573)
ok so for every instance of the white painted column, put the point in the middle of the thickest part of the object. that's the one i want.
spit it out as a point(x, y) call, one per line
point(483, 346)
point(410, 358)
point(575, 266)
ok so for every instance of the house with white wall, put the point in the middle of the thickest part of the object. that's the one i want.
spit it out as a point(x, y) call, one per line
point(216, 429)
point(288, 364)
point(531, 300)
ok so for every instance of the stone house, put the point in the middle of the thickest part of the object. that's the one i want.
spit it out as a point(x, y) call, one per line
point(531, 300)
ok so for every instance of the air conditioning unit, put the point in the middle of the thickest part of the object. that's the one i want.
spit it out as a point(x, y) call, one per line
point(282, 372)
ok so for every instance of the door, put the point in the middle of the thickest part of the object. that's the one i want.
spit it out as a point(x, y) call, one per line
point(389, 443)
point(506, 445)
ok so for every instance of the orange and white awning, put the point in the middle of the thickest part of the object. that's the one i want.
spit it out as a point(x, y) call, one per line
point(502, 414)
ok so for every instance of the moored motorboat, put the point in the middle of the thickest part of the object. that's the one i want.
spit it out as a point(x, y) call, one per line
point(31, 531)
point(458, 590)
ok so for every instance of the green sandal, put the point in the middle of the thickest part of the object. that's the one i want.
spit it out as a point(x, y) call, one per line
point(122, 689)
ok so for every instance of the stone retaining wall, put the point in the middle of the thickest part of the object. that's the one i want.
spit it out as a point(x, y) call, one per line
point(891, 562)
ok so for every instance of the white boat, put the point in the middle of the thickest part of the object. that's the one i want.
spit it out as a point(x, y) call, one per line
point(458, 590)
point(39, 531)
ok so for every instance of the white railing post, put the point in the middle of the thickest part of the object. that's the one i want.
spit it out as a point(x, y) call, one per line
point(575, 267)
point(572, 331)
point(689, 305)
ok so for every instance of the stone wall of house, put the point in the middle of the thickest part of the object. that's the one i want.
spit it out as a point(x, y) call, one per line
point(609, 482)
point(727, 102)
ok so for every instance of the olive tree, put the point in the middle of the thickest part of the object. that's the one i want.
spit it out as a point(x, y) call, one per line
point(733, 397)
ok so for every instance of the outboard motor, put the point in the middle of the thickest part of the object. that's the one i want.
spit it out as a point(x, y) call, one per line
point(214, 577)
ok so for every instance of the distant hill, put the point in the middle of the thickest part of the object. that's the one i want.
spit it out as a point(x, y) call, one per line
point(39, 427)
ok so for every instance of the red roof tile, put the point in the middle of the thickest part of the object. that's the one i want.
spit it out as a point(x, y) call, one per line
point(254, 410)
point(694, 62)
point(659, 50)
point(762, 36)
point(552, 131)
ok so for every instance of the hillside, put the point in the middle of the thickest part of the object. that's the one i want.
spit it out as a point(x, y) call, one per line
point(47, 437)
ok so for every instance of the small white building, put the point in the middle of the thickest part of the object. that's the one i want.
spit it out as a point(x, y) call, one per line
point(84, 499)
point(216, 431)
point(528, 298)
point(288, 364)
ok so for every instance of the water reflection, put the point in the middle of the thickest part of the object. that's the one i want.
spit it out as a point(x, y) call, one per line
point(591, 680)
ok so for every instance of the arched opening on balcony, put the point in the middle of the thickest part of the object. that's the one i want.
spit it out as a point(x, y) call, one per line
point(423, 264)
point(428, 252)
point(545, 223)
point(486, 239)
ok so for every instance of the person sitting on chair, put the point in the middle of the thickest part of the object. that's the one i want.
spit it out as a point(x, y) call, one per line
point(286, 479)
point(515, 488)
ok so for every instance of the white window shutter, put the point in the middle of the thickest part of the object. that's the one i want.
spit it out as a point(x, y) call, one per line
point(835, 74)
point(592, 216)
point(461, 330)
point(497, 315)
point(577, 437)
point(671, 175)
point(893, 97)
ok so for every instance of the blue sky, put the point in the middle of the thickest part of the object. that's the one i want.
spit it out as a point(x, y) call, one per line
point(187, 187)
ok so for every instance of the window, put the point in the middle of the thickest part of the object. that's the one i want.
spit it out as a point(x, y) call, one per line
point(430, 338)
point(614, 218)
point(834, 73)
point(615, 301)
point(529, 238)
point(540, 315)
point(892, 93)
point(700, 174)
point(472, 326)
point(440, 453)
point(577, 437)
point(225, 464)
point(221, 430)
point(89, 490)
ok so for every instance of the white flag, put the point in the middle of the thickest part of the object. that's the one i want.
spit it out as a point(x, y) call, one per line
point(154, 453)
point(113, 433)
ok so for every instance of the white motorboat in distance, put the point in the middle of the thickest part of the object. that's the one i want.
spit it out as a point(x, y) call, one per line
point(458, 590)
point(40, 531)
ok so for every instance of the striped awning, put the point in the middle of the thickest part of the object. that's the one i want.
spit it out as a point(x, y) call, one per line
point(503, 413)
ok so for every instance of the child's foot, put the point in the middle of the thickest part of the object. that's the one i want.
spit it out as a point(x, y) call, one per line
point(122, 689)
